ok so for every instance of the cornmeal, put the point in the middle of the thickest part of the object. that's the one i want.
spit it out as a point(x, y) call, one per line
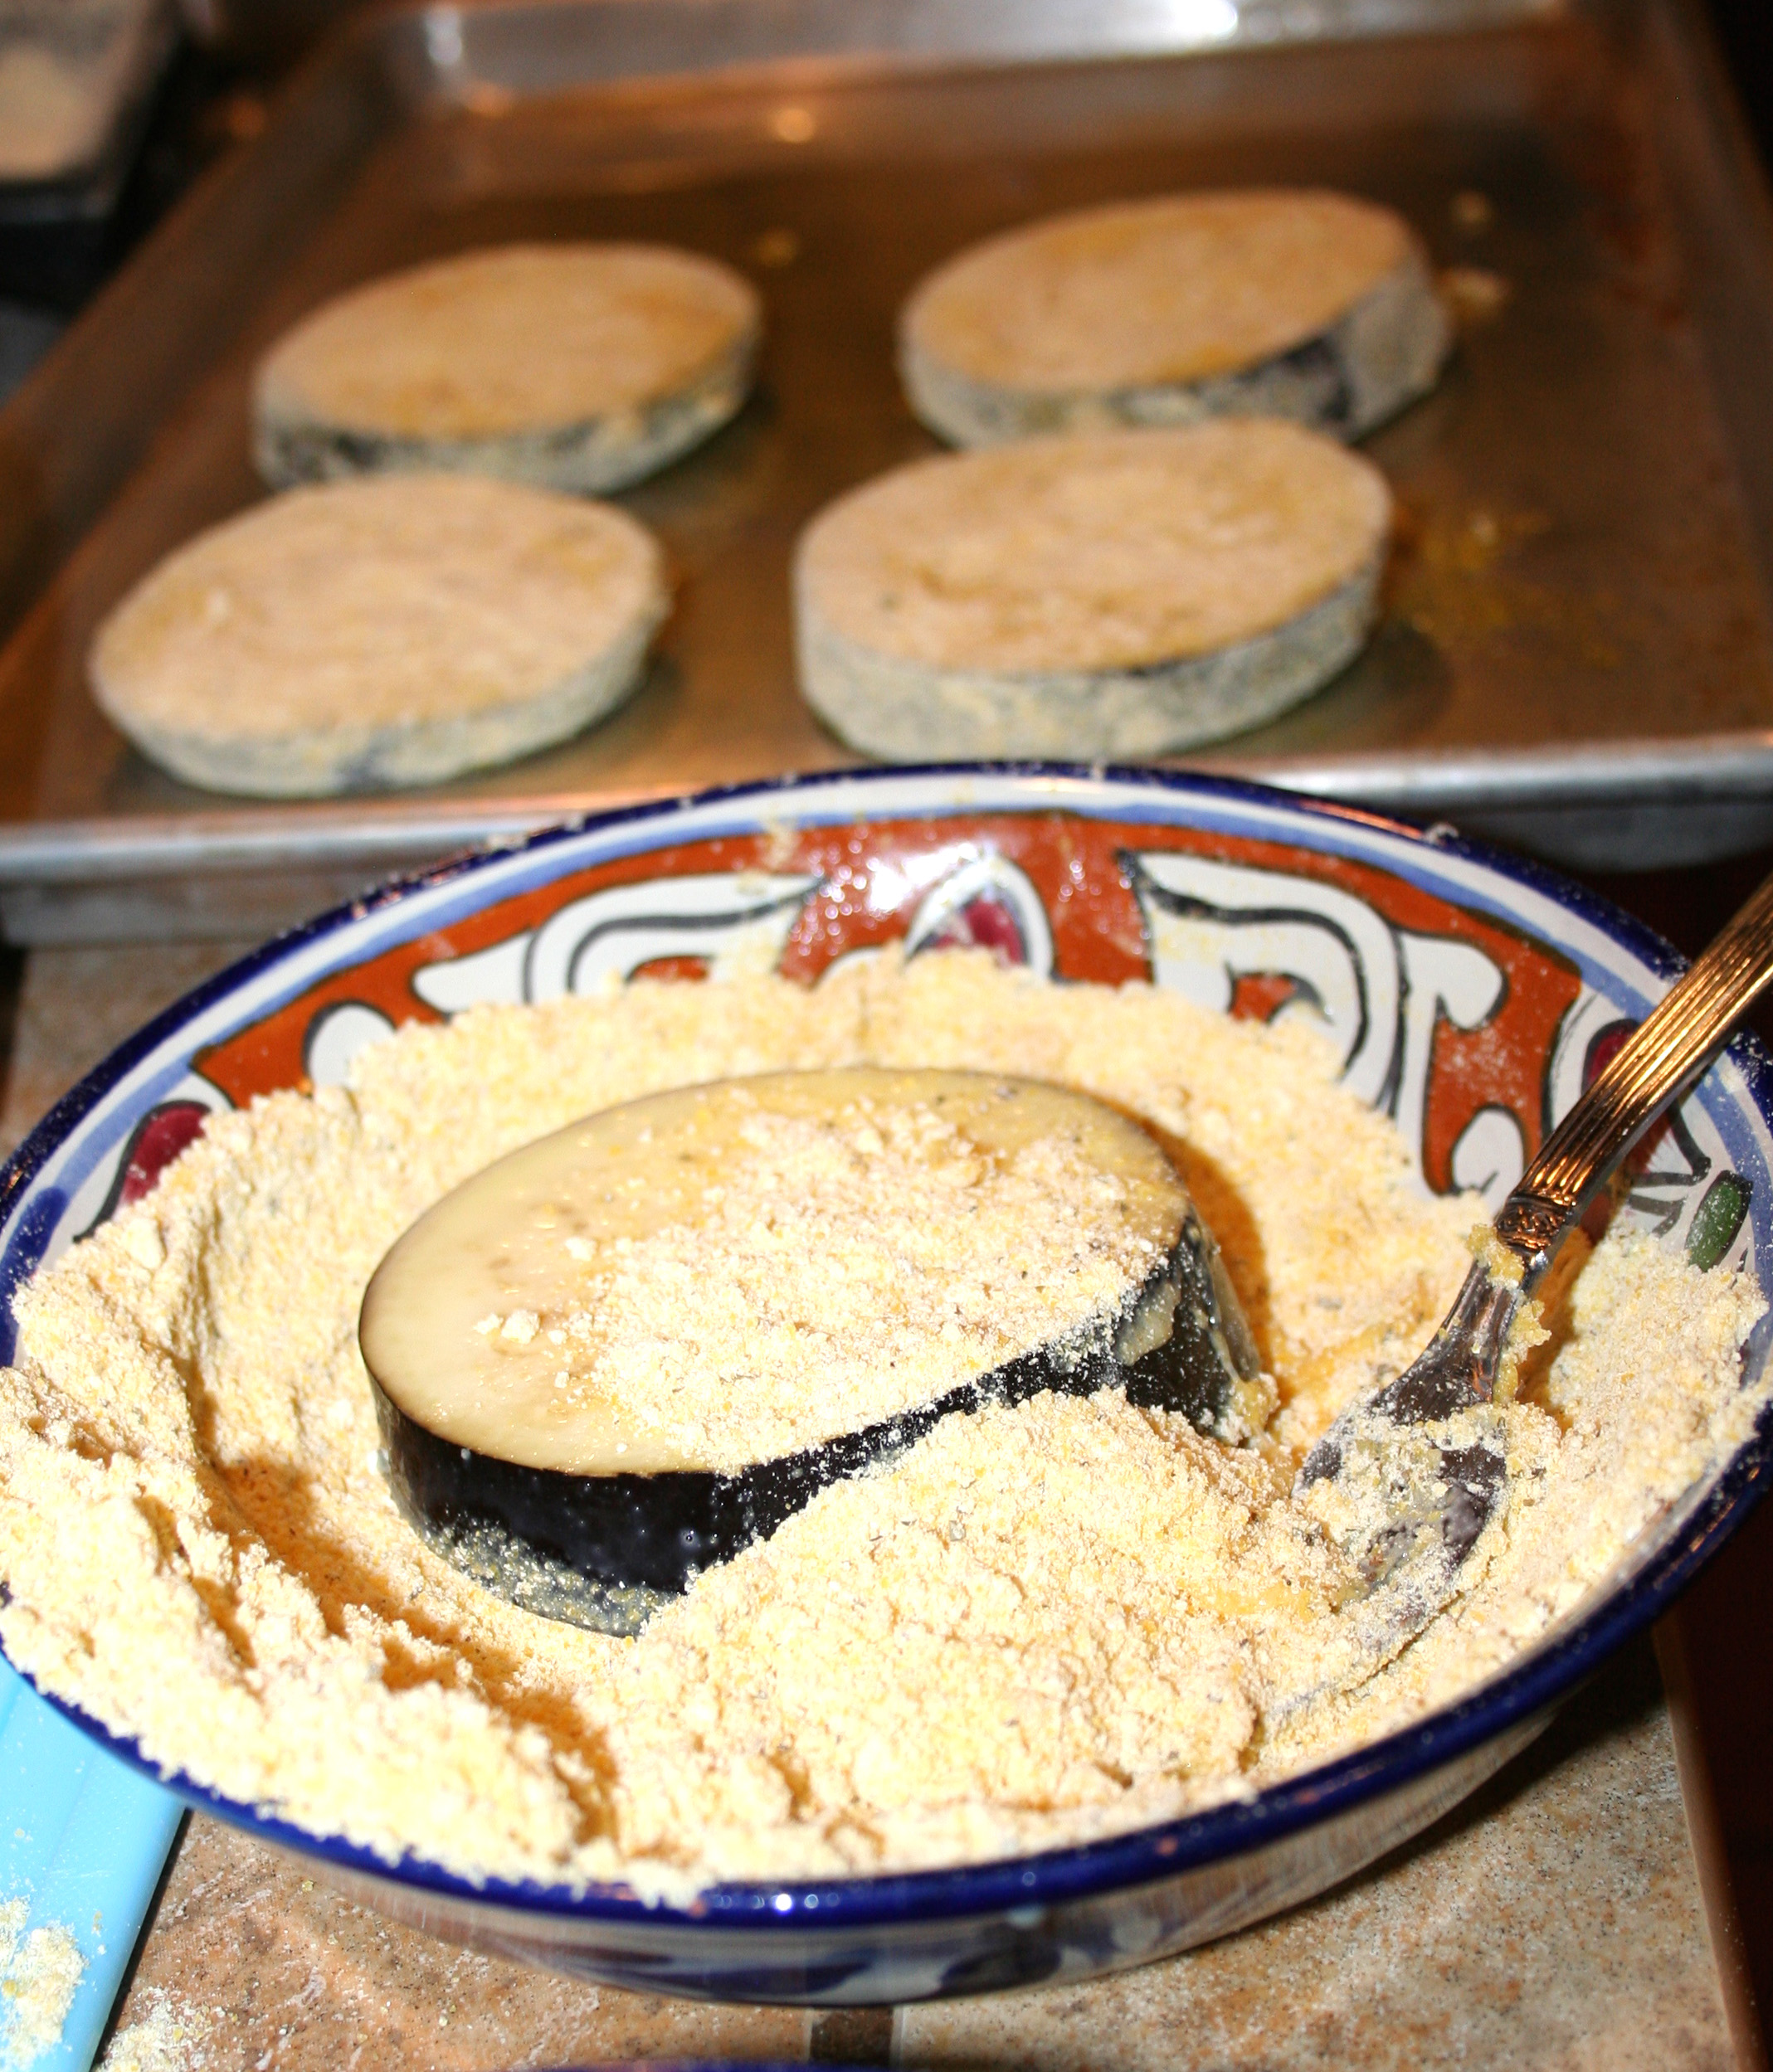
point(577, 366)
point(1267, 302)
point(1039, 1625)
point(1116, 593)
point(39, 1973)
point(725, 1275)
point(361, 635)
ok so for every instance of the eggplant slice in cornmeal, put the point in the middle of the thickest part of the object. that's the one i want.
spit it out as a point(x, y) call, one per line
point(630, 1349)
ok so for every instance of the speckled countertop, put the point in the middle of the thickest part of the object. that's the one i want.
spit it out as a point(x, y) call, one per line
point(1563, 1917)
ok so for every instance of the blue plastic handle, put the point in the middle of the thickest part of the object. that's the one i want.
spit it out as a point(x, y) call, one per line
point(86, 1840)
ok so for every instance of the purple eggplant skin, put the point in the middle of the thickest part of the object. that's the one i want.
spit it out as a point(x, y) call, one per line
point(605, 1551)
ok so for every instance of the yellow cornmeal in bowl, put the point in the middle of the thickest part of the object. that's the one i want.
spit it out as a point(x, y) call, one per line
point(1039, 1625)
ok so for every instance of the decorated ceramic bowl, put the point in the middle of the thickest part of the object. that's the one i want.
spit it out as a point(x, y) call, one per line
point(1468, 996)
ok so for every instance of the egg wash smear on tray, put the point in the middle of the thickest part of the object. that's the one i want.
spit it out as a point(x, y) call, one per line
point(1053, 1612)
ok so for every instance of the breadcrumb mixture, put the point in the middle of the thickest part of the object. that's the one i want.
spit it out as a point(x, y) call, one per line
point(869, 1262)
point(1098, 552)
point(1039, 1625)
point(902, 1189)
point(39, 1973)
point(170, 2037)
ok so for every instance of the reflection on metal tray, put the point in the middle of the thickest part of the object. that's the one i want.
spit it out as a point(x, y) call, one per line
point(1576, 649)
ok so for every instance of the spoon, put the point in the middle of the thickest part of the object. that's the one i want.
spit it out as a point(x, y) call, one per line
point(1407, 1480)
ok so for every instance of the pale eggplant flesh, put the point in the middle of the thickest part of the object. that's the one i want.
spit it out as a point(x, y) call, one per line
point(604, 1550)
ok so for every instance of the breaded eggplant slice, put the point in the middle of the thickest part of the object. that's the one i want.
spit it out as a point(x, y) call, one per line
point(628, 1350)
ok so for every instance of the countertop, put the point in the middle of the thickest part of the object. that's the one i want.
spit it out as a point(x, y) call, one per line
point(1573, 1913)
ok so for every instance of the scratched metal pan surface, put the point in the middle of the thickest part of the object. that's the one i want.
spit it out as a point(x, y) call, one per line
point(1577, 648)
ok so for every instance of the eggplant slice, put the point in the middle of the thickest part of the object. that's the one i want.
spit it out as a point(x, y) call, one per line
point(527, 1496)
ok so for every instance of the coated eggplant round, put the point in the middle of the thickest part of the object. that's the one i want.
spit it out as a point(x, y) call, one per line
point(630, 1349)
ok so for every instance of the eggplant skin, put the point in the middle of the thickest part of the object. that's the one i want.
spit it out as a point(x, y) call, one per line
point(605, 1551)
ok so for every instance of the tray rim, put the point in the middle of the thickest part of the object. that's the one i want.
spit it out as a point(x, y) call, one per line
point(384, 830)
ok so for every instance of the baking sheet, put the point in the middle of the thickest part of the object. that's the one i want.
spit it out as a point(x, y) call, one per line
point(1576, 649)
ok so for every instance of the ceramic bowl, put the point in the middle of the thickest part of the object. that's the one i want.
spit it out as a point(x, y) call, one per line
point(1468, 996)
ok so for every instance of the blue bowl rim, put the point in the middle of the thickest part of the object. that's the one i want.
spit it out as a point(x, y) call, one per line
point(1547, 1674)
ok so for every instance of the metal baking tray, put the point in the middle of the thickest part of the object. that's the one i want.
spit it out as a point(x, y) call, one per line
point(1577, 649)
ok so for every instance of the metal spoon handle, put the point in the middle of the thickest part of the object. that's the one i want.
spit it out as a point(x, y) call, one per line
point(1657, 1062)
